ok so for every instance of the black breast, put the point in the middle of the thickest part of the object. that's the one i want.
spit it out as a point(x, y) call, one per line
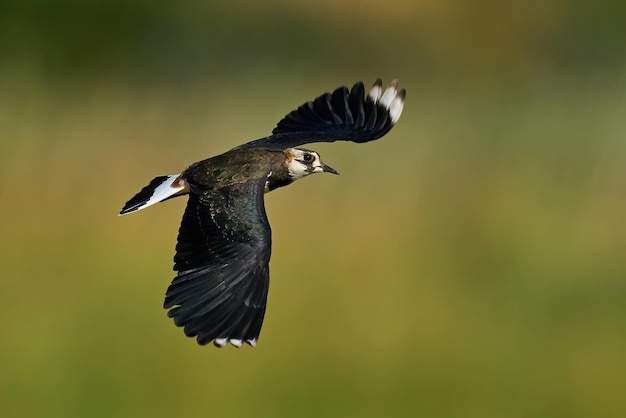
point(279, 176)
point(276, 180)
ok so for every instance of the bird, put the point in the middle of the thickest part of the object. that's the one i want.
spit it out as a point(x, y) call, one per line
point(223, 248)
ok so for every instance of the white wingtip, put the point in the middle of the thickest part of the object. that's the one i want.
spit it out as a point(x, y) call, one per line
point(220, 342)
point(236, 342)
point(389, 94)
point(395, 109)
point(391, 99)
point(376, 90)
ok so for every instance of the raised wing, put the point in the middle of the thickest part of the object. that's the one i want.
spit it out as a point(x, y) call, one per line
point(222, 256)
point(344, 115)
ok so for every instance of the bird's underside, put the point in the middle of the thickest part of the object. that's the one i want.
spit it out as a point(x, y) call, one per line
point(224, 242)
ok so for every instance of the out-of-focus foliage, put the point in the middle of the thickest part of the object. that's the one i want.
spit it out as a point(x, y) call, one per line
point(469, 264)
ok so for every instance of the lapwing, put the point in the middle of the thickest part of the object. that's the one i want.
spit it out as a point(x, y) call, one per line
point(224, 241)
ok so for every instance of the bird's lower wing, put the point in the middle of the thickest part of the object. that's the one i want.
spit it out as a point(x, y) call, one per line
point(222, 256)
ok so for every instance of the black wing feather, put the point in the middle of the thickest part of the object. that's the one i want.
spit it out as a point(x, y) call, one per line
point(343, 115)
point(222, 256)
point(356, 102)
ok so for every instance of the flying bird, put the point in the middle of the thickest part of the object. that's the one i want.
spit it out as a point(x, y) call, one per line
point(224, 241)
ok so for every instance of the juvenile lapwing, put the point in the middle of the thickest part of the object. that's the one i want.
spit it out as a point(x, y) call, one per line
point(224, 240)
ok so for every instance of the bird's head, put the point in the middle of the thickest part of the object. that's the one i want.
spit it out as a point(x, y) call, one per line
point(302, 162)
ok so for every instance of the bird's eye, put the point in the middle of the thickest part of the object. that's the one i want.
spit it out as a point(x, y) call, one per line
point(307, 158)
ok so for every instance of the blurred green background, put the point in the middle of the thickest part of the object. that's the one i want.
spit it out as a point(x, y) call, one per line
point(469, 264)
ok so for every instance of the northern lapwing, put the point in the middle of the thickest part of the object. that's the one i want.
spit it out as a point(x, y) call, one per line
point(224, 241)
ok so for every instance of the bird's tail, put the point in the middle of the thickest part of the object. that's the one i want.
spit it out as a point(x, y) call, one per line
point(160, 188)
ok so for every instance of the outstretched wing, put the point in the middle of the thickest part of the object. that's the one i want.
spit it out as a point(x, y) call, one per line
point(222, 256)
point(344, 115)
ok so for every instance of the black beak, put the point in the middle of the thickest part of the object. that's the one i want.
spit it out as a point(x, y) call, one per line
point(327, 169)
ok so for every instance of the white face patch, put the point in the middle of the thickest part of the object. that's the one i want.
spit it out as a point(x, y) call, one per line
point(301, 162)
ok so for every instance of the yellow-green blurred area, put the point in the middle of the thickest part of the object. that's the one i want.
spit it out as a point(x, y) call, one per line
point(472, 263)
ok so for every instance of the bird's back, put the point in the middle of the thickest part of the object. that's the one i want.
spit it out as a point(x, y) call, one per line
point(234, 166)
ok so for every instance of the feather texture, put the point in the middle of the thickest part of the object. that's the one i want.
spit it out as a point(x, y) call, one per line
point(222, 256)
point(343, 115)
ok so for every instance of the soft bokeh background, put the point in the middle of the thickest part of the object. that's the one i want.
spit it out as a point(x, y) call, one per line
point(469, 264)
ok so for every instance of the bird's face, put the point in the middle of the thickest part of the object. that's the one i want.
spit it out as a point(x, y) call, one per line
point(302, 162)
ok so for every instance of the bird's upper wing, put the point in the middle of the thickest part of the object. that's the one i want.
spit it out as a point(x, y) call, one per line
point(222, 256)
point(343, 115)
